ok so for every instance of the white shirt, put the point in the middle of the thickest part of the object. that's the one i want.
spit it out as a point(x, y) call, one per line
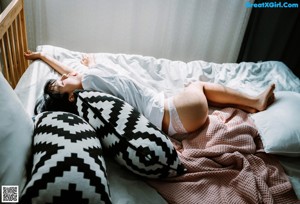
point(145, 100)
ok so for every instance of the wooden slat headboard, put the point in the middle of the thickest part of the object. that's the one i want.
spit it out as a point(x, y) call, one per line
point(13, 42)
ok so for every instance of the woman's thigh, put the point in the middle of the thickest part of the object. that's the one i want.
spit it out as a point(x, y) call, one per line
point(192, 107)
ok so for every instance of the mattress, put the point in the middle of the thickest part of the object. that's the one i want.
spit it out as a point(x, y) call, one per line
point(161, 75)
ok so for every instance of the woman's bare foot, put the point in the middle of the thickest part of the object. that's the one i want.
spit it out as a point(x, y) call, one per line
point(266, 98)
point(87, 60)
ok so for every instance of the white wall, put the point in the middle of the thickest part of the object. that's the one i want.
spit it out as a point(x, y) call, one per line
point(174, 29)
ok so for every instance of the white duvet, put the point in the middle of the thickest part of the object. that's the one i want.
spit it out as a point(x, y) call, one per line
point(161, 75)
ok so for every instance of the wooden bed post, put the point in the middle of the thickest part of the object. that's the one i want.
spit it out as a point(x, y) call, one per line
point(13, 42)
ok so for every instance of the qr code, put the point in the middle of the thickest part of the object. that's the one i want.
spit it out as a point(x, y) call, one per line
point(10, 194)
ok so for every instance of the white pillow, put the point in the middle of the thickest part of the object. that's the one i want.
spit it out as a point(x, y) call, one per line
point(16, 129)
point(279, 125)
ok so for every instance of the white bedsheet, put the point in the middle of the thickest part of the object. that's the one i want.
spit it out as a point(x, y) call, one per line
point(161, 75)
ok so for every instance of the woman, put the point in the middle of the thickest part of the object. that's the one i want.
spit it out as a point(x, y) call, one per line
point(185, 112)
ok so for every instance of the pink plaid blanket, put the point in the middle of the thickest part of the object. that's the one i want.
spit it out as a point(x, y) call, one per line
point(226, 164)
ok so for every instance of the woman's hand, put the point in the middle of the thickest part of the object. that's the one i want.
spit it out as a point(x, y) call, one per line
point(29, 55)
point(88, 60)
point(48, 59)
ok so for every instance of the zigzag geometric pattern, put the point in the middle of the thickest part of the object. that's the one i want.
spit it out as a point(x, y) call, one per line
point(68, 166)
point(128, 136)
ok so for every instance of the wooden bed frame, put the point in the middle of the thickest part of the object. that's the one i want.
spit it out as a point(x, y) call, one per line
point(13, 42)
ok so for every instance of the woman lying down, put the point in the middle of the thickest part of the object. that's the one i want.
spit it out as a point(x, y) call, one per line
point(185, 112)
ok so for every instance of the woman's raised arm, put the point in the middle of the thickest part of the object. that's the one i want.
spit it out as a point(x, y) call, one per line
point(53, 63)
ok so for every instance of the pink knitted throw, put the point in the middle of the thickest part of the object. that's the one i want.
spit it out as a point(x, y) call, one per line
point(226, 164)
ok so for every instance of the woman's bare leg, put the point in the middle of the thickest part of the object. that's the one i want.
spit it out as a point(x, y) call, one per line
point(192, 103)
point(225, 96)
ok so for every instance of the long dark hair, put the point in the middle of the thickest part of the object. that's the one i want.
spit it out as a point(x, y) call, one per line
point(54, 101)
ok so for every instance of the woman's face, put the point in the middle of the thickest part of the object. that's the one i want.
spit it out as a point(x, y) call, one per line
point(68, 83)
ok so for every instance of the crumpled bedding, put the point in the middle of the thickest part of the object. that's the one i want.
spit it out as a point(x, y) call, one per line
point(164, 75)
point(226, 163)
point(170, 76)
